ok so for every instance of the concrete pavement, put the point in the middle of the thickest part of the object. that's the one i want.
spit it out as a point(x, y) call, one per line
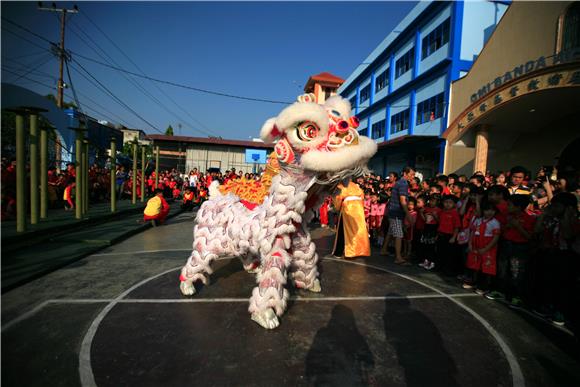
point(116, 318)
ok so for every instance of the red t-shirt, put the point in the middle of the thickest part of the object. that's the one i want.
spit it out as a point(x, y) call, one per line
point(502, 212)
point(419, 222)
point(431, 214)
point(448, 221)
point(512, 234)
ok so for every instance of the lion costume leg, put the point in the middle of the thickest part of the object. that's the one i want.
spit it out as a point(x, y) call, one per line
point(198, 267)
point(269, 298)
point(304, 269)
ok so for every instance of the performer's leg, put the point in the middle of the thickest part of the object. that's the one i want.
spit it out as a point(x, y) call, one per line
point(304, 266)
point(269, 297)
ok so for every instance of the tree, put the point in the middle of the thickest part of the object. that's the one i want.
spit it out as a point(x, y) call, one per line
point(169, 131)
point(66, 105)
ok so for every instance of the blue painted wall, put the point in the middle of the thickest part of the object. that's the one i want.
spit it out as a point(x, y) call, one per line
point(479, 21)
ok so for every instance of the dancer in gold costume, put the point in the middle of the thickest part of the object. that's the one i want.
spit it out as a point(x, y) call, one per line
point(352, 237)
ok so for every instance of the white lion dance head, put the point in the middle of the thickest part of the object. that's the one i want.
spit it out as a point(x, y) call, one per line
point(319, 138)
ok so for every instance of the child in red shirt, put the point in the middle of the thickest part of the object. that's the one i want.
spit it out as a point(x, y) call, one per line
point(419, 223)
point(324, 212)
point(447, 230)
point(430, 215)
point(515, 248)
point(375, 223)
point(367, 209)
point(68, 196)
point(188, 196)
point(482, 250)
point(409, 226)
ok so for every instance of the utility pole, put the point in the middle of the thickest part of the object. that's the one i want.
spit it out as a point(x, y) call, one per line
point(63, 11)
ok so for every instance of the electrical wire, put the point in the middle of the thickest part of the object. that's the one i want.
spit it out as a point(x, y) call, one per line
point(143, 73)
point(44, 60)
point(140, 87)
point(117, 98)
point(181, 85)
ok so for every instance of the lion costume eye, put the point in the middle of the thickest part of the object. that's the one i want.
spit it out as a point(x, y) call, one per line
point(307, 131)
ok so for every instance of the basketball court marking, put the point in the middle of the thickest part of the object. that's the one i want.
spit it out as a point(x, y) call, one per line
point(88, 379)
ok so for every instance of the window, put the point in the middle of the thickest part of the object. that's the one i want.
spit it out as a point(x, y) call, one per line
point(378, 129)
point(365, 93)
point(404, 63)
point(352, 101)
point(435, 39)
point(382, 81)
point(569, 28)
point(362, 132)
point(400, 121)
point(430, 109)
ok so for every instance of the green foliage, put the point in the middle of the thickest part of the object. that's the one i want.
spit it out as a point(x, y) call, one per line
point(66, 105)
point(169, 131)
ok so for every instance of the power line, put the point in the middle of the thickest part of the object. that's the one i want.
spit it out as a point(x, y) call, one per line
point(116, 98)
point(26, 39)
point(44, 60)
point(140, 87)
point(155, 79)
point(180, 85)
point(97, 86)
point(27, 30)
point(142, 72)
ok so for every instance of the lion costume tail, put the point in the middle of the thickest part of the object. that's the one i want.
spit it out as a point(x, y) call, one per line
point(214, 190)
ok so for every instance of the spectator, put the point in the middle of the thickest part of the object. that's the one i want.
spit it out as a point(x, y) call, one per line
point(429, 215)
point(157, 209)
point(397, 211)
point(188, 196)
point(482, 250)
point(515, 248)
point(447, 231)
point(516, 184)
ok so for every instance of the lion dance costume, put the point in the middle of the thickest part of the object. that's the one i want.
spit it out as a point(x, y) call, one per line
point(265, 223)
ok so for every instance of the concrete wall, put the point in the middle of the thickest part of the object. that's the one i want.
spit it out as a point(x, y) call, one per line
point(535, 23)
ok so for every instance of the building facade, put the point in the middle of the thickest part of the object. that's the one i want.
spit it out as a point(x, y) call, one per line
point(185, 153)
point(519, 106)
point(401, 91)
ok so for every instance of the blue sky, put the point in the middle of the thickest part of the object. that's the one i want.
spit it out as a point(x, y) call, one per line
point(263, 50)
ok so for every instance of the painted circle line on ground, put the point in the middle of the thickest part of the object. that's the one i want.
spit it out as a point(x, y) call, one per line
point(88, 379)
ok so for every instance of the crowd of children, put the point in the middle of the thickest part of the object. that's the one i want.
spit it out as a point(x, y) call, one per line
point(508, 236)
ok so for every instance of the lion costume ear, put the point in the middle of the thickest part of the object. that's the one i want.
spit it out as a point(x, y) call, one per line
point(306, 98)
point(270, 131)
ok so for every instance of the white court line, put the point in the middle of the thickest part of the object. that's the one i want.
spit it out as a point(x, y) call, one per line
point(517, 375)
point(138, 252)
point(85, 368)
point(41, 306)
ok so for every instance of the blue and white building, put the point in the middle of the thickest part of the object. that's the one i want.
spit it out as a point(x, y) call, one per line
point(401, 91)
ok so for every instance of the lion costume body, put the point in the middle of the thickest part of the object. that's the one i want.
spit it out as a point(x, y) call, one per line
point(317, 147)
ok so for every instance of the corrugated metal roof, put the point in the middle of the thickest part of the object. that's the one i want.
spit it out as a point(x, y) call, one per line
point(206, 140)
